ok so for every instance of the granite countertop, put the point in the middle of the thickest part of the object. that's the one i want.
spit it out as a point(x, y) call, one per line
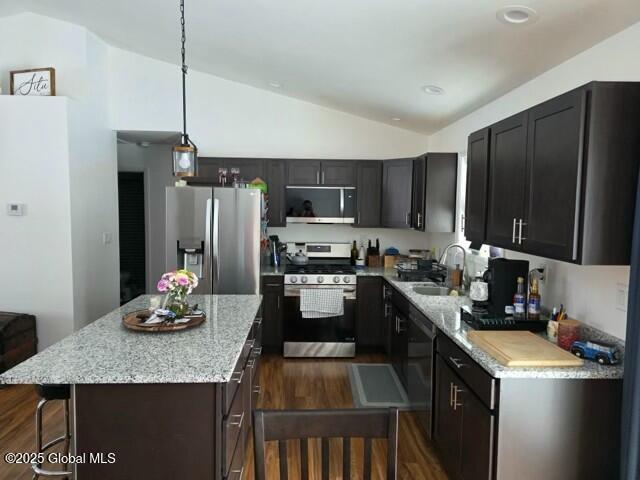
point(106, 352)
point(442, 312)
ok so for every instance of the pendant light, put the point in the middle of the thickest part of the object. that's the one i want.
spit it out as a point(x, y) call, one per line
point(185, 155)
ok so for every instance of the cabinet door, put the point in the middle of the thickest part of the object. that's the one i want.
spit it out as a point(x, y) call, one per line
point(272, 313)
point(507, 181)
point(554, 165)
point(338, 172)
point(475, 213)
point(369, 193)
point(441, 188)
point(402, 348)
point(276, 182)
point(208, 171)
point(304, 172)
point(397, 182)
point(250, 168)
point(369, 313)
point(447, 429)
point(476, 447)
point(418, 193)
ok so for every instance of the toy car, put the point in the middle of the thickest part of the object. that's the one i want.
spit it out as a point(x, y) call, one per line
point(602, 353)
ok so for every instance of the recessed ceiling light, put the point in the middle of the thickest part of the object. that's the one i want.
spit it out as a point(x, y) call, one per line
point(275, 84)
point(517, 15)
point(395, 119)
point(432, 90)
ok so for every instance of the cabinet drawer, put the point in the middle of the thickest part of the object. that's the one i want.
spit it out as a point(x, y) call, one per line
point(400, 302)
point(236, 468)
point(233, 424)
point(229, 389)
point(482, 384)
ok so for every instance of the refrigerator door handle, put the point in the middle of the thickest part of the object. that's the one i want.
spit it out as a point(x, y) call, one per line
point(207, 246)
point(216, 244)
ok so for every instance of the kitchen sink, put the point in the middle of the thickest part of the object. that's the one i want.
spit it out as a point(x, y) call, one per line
point(432, 290)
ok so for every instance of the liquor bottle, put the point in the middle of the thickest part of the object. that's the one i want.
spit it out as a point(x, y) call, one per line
point(377, 246)
point(354, 253)
point(533, 310)
point(519, 300)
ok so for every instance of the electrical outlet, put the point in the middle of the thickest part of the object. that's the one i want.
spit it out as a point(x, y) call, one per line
point(622, 296)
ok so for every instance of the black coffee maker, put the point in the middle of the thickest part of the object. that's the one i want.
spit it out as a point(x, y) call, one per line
point(502, 276)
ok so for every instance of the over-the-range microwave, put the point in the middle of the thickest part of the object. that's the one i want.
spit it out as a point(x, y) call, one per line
point(320, 204)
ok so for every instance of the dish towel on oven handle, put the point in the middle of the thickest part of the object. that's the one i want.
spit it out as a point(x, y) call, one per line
point(321, 302)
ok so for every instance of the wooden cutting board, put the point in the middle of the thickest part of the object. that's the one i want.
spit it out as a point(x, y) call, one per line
point(522, 349)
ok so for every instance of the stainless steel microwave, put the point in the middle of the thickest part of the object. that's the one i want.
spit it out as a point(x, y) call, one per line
point(320, 204)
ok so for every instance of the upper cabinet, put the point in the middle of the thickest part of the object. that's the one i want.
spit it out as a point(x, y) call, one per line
point(369, 193)
point(418, 193)
point(397, 197)
point(562, 177)
point(276, 182)
point(220, 171)
point(475, 214)
point(440, 194)
point(326, 172)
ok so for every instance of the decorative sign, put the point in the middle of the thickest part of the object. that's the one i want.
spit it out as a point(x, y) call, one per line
point(38, 81)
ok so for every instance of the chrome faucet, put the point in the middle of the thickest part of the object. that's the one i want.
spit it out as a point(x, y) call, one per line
point(443, 257)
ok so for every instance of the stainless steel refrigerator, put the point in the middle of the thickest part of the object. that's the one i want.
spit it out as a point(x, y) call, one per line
point(215, 233)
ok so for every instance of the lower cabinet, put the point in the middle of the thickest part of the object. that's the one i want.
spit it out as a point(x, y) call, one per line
point(464, 427)
point(370, 331)
point(272, 313)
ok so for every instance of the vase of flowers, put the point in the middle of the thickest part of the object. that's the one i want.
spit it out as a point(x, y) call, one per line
point(177, 286)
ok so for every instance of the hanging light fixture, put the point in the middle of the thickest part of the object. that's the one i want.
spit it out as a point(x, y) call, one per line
point(185, 155)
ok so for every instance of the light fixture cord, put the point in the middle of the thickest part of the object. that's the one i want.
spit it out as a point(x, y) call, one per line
point(184, 75)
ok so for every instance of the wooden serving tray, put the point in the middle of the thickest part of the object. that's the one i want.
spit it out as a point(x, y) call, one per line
point(134, 321)
point(522, 349)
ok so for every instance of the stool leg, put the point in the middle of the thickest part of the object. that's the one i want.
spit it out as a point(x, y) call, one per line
point(39, 410)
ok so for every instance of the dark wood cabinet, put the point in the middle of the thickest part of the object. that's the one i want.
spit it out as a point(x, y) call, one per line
point(464, 427)
point(418, 193)
point(562, 177)
point(475, 212)
point(304, 172)
point(554, 162)
point(272, 313)
point(276, 173)
point(369, 314)
point(369, 193)
point(209, 171)
point(397, 197)
point(325, 172)
point(338, 172)
point(447, 429)
point(440, 193)
point(507, 180)
point(248, 168)
point(400, 345)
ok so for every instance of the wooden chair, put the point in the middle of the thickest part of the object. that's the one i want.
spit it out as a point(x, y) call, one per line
point(283, 425)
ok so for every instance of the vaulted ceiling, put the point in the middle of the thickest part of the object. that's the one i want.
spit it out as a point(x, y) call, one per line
point(366, 57)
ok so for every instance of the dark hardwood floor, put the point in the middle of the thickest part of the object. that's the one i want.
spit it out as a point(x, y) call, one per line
point(294, 384)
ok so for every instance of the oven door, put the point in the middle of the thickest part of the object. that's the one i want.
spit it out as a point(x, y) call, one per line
point(319, 337)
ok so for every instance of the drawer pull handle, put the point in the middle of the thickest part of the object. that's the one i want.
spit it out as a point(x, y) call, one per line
point(239, 422)
point(257, 322)
point(239, 378)
point(273, 285)
point(257, 389)
point(250, 343)
point(257, 351)
point(450, 394)
point(251, 363)
point(456, 391)
point(239, 472)
point(457, 362)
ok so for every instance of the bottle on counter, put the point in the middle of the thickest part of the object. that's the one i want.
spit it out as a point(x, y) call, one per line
point(519, 300)
point(377, 246)
point(360, 262)
point(533, 309)
point(354, 253)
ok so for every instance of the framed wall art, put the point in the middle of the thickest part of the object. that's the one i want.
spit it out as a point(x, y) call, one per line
point(35, 81)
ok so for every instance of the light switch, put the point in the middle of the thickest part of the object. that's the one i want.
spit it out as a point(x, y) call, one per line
point(16, 209)
point(106, 238)
point(622, 296)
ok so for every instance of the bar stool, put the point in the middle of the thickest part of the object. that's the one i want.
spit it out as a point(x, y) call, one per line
point(48, 393)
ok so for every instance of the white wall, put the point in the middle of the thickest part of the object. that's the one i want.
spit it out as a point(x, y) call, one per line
point(88, 162)
point(589, 292)
point(35, 251)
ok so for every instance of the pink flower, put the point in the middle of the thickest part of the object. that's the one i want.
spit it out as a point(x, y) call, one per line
point(182, 279)
point(163, 285)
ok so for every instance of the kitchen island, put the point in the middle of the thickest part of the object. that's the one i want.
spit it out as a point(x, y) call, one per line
point(168, 405)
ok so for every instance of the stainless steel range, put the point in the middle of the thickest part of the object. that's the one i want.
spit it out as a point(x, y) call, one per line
point(327, 268)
